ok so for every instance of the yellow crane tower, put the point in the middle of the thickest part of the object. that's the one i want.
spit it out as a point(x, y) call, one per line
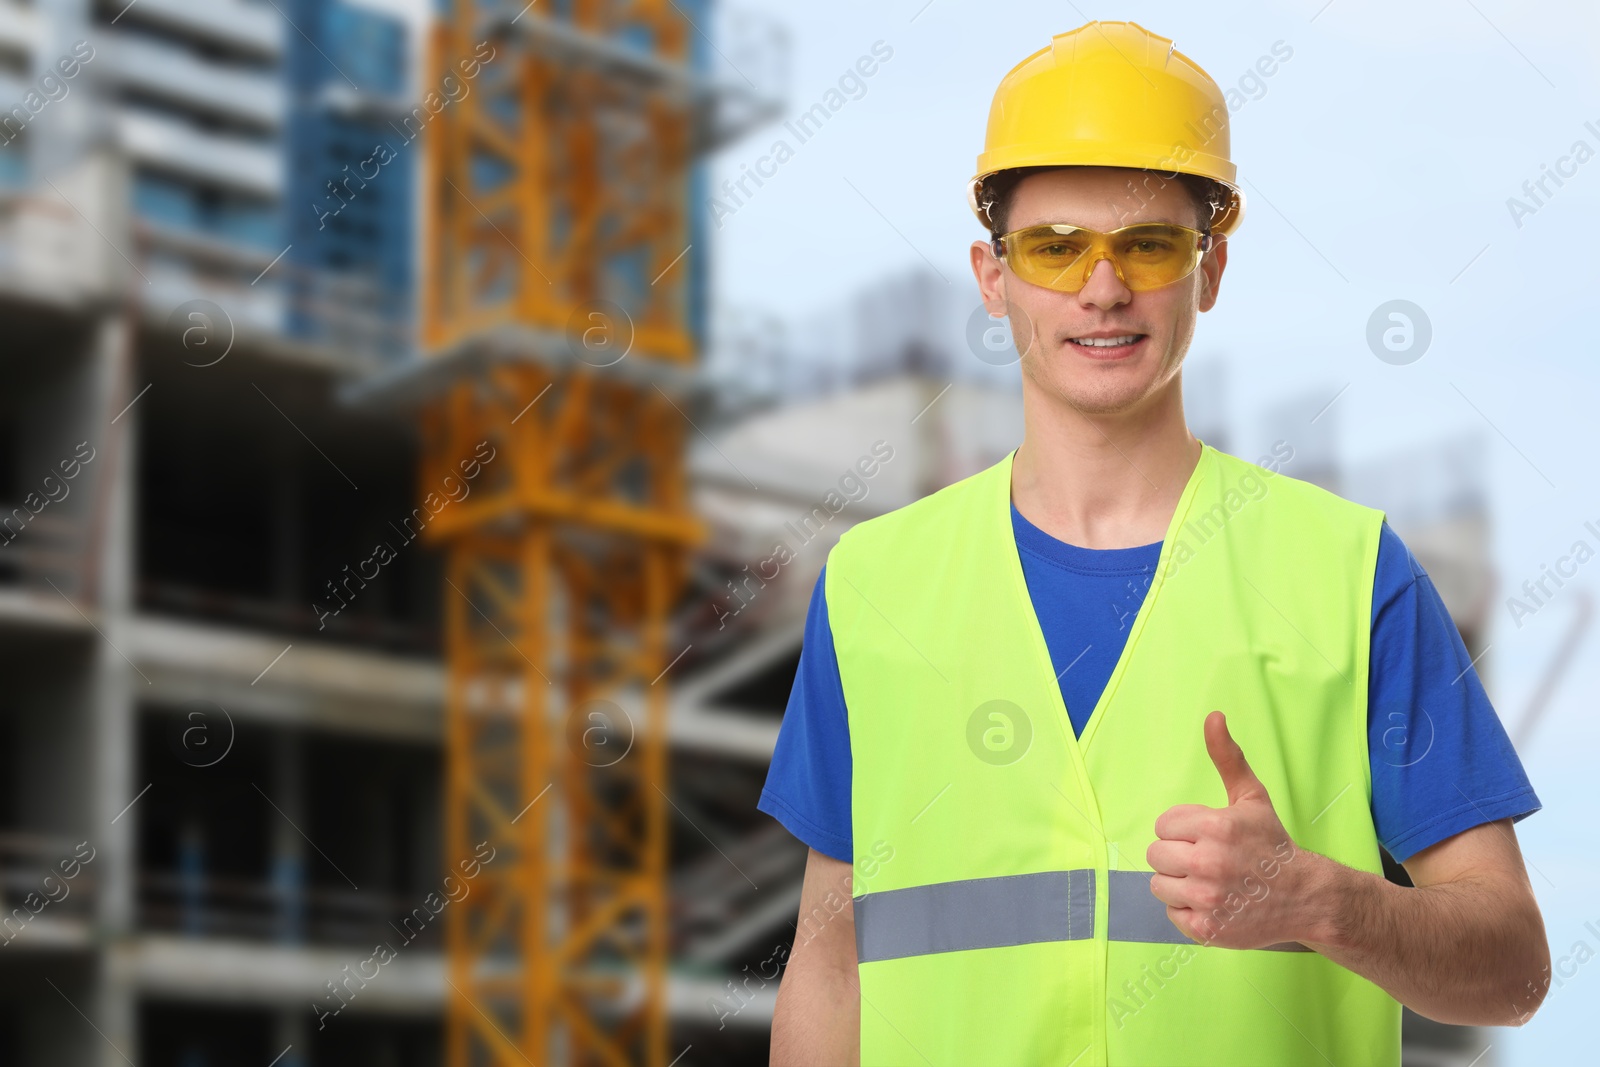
point(558, 359)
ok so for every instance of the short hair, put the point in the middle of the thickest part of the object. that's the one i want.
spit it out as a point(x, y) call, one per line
point(1210, 197)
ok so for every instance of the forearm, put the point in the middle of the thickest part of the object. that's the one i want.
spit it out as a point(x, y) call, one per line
point(1467, 953)
point(817, 1018)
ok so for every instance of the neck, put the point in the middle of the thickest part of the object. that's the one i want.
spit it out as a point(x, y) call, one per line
point(1103, 480)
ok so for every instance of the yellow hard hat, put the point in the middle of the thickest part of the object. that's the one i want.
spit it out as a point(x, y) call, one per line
point(1110, 94)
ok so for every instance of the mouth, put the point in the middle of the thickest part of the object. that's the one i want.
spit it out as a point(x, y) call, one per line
point(1114, 347)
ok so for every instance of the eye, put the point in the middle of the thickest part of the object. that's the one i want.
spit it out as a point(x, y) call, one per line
point(1055, 249)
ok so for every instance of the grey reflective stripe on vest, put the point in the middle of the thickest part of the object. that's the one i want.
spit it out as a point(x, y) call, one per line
point(1136, 914)
point(1015, 909)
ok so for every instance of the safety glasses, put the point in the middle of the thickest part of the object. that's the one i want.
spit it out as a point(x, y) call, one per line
point(1059, 256)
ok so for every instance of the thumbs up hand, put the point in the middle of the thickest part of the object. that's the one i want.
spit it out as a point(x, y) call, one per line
point(1231, 876)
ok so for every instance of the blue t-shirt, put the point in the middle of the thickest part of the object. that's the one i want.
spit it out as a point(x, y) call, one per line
point(1441, 761)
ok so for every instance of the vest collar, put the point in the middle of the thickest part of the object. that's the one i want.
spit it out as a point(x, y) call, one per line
point(998, 531)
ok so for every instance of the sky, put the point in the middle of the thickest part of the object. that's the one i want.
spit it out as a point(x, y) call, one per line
point(1377, 162)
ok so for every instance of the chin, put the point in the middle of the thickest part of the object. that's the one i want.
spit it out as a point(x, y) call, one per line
point(1093, 401)
point(1100, 390)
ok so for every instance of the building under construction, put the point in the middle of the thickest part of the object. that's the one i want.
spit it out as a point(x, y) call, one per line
point(387, 680)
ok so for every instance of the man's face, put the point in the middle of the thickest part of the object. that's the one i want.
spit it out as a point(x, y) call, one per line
point(1044, 321)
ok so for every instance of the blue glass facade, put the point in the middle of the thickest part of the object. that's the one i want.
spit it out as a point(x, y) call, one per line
point(183, 205)
point(348, 205)
point(13, 166)
point(699, 260)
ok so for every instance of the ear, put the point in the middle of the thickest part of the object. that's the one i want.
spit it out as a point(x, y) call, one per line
point(1212, 264)
point(990, 275)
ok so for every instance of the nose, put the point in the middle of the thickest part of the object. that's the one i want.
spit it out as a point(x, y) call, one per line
point(1104, 288)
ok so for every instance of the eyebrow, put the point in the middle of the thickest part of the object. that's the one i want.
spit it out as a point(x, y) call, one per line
point(1140, 222)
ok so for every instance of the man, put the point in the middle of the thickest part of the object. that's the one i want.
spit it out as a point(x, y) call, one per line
point(1261, 684)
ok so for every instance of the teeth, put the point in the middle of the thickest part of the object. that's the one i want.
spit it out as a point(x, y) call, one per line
point(1106, 342)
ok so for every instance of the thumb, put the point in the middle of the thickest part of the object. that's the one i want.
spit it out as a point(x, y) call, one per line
point(1237, 777)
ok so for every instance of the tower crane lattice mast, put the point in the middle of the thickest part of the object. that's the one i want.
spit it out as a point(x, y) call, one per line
point(558, 327)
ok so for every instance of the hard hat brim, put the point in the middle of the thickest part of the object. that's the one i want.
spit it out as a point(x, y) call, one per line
point(1225, 223)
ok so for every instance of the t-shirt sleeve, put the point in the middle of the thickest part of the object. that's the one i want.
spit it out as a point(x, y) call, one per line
point(808, 783)
point(1441, 760)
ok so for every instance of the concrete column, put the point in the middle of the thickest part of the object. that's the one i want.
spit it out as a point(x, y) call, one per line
point(113, 692)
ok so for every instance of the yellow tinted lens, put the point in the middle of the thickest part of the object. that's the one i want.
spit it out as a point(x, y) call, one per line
point(1049, 256)
point(1147, 256)
point(1155, 254)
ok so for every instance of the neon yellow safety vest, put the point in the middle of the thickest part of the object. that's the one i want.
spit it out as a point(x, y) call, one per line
point(1002, 899)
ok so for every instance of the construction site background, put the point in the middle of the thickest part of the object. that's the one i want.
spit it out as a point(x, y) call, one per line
point(225, 735)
